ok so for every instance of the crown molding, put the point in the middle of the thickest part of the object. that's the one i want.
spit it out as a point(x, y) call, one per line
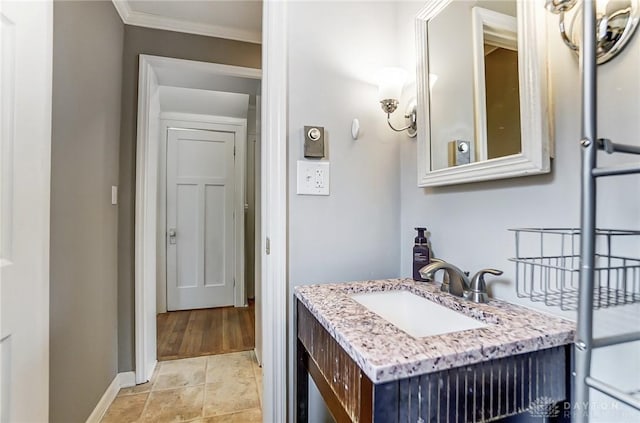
point(147, 20)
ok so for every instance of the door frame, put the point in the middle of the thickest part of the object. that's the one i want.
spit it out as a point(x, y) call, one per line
point(171, 120)
point(145, 245)
point(275, 293)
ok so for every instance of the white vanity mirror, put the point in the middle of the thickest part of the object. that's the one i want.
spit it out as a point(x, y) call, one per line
point(482, 91)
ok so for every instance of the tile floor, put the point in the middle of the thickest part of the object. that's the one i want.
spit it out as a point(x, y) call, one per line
point(212, 389)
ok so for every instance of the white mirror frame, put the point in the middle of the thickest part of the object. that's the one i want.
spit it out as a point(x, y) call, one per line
point(534, 104)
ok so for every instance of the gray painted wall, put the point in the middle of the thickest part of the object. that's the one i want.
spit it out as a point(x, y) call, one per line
point(469, 222)
point(253, 154)
point(87, 69)
point(138, 41)
point(353, 233)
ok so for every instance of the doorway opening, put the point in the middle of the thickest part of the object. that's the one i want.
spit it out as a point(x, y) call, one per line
point(197, 279)
point(204, 307)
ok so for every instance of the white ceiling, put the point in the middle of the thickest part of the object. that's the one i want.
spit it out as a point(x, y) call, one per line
point(203, 102)
point(233, 19)
point(186, 74)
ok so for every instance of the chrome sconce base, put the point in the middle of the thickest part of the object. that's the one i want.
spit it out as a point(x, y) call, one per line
point(616, 23)
point(390, 105)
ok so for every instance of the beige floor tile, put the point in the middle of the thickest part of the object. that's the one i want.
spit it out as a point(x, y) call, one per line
point(137, 389)
point(181, 373)
point(257, 371)
point(176, 405)
point(229, 366)
point(176, 392)
point(125, 409)
point(242, 357)
point(231, 395)
point(248, 416)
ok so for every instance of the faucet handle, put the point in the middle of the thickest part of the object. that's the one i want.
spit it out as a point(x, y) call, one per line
point(478, 291)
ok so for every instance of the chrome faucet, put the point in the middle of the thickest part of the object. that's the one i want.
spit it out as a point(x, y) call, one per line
point(431, 277)
point(456, 282)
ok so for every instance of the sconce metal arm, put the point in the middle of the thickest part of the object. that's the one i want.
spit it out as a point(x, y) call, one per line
point(615, 25)
point(563, 33)
point(389, 106)
point(401, 129)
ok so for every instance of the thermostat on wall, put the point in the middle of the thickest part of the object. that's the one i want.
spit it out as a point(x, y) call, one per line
point(313, 142)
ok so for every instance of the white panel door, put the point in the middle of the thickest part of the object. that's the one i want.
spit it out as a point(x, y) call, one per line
point(25, 163)
point(200, 219)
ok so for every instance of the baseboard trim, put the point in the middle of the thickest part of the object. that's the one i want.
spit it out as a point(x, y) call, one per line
point(122, 380)
point(127, 379)
point(150, 370)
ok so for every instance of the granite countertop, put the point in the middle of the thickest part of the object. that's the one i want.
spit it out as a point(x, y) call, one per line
point(386, 353)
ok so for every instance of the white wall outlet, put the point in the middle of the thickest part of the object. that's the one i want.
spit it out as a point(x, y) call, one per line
point(313, 178)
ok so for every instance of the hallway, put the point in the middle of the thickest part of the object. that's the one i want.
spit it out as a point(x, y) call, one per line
point(194, 333)
point(218, 388)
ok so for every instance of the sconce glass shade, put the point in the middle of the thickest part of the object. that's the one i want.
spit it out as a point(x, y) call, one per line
point(390, 83)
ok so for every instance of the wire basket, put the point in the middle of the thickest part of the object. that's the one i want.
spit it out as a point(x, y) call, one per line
point(548, 266)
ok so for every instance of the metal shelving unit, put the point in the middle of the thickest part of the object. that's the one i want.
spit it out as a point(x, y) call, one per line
point(548, 267)
point(590, 172)
point(581, 269)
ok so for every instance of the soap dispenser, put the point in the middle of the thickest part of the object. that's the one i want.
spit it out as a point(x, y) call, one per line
point(421, 254)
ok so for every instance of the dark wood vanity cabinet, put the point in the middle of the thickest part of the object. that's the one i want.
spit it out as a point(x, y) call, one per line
point(347, 391)
point(535, 382)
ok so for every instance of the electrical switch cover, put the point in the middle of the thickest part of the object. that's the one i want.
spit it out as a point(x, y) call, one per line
point(114, 195)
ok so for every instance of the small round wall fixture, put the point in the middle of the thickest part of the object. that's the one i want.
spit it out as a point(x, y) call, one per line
point(616, 23)
point(355, 128)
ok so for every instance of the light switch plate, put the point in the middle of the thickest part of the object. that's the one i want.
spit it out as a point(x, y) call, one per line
point(313, 177)
point(114, 195)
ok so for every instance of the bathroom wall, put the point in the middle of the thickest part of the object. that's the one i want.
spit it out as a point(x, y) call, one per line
point(468, 223)
point(87, 72)
point(352, 234)
point(138, 40)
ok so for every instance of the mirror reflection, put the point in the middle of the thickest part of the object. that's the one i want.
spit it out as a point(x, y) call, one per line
point(473, 83)
point(502, 101)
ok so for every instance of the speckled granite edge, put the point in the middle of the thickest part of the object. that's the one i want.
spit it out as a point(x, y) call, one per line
point(386, 353)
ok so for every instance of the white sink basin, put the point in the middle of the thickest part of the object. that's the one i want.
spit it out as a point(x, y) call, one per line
point(416, 315)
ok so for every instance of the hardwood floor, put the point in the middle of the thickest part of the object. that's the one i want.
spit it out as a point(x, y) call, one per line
point(194, 333)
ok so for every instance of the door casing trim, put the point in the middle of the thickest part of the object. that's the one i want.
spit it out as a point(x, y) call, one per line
point(275, 293)
point(146, 204)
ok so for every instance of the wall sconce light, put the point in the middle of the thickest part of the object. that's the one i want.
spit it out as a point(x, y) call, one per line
point(390, 84)
point(616, 23)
